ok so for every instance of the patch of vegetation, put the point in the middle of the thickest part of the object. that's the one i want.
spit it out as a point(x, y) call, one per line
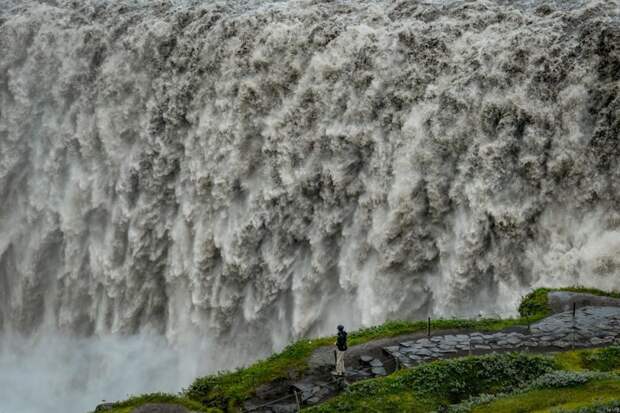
point(535, 304)
point(543, 400)
point(558, 379)
point(227, 390)
point(596, 407)
point(605, 359)
point(130, 404)
point(602, 359)
point(439, 384)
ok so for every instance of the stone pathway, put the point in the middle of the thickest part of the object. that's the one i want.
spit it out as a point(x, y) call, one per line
point(592, 326)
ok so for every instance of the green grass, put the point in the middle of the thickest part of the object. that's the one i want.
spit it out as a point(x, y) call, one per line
point(609, 406)
point(544, 400)
point(128, 405)
point(603, 359)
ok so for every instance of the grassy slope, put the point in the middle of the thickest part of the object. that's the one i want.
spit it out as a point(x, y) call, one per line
point(128, 405)
point(545, 400)
point(430, 386)
point(229, 389)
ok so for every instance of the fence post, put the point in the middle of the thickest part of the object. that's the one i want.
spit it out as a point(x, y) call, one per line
point(428, 331)
point(574, 326)
point(574, 309)
point(297, 400)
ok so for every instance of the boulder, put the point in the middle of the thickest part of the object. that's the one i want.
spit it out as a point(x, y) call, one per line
point(560, 301)
point(368, 359)
point(379, 371)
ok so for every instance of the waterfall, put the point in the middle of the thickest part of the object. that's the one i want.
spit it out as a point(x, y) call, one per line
point(225, 177)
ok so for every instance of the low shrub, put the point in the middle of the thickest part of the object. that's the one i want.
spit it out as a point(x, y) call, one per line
point(558, 379)
point(535, 303)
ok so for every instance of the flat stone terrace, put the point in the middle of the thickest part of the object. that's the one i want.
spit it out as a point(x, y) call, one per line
point(591, 326)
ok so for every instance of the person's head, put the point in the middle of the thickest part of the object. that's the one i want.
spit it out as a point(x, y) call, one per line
point(340, 328)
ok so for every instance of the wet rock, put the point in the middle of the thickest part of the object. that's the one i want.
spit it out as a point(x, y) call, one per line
point(477, 340)
point(366, 359)
point(514, 340)
point(285, 408)
point(379, 371)
point(104, 407)
point(562, 301)
point(306, 390)
point(376, 363)
point(391, 349)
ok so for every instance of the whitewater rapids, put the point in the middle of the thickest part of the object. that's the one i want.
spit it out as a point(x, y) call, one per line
point(190, 185)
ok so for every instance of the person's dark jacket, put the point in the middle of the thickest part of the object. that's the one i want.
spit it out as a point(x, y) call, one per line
point(341, 341)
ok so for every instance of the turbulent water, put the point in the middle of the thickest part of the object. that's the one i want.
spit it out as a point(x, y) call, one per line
point(229, 176)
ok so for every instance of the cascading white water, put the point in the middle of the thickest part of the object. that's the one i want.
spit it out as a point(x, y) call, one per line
point(234, 175)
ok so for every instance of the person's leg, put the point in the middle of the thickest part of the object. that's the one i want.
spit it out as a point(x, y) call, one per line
point(339, 362)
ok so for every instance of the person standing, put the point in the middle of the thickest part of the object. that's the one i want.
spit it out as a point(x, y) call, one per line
point(341, 348)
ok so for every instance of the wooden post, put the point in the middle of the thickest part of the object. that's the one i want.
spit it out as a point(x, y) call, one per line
point(574, 309)
point(428, 331)
point(297, 400)
point(574, 326)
